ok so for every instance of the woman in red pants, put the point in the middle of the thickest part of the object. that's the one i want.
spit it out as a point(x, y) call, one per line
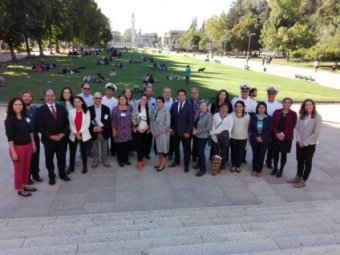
point(21, 144)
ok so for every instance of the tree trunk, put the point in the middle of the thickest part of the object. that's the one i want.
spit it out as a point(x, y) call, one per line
point(41, 49)
point(28, 50)
point(57, 47)
point(11, 49)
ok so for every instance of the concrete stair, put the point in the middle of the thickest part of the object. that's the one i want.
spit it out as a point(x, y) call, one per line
point(286, 228)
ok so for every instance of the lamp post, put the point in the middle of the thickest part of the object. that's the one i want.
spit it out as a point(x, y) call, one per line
point(248, 52)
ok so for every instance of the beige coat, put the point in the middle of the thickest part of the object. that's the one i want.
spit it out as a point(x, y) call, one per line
point(308, 132)
point(162, 124)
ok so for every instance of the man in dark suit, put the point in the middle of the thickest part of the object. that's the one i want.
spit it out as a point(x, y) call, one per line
point(182, 120)
point(100, 129)
point(53, 124)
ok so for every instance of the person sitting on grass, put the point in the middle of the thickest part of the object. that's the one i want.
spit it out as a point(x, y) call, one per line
point(2, 81)
point(120, 65)
point(112, 73)
point(100, 78)
point(36, 68)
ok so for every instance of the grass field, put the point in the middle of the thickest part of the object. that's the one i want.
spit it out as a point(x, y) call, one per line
point(216, 76)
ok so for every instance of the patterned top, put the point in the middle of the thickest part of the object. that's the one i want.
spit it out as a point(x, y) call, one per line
point(121, 122)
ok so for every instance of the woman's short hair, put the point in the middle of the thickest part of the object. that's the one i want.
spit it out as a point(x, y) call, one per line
point(160, 98)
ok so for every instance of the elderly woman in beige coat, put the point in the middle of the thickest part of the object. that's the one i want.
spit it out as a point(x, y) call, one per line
point(160, 128)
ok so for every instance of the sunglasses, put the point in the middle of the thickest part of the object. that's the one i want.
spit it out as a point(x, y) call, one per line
point(86, 88)
point(245, 91)
point(97, 98)
point(272, 93)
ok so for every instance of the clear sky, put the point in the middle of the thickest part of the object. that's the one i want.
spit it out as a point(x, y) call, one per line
point(160, 16)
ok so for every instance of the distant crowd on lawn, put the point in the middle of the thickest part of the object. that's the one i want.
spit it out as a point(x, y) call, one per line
point(104, 125)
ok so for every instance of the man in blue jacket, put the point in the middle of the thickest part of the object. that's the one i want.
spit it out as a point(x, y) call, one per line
point(182, 120)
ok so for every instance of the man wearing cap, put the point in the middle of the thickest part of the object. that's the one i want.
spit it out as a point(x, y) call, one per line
point(100, 129)
point(249, 103)
point(85, 94)
point(111, 102)
point(272, 106)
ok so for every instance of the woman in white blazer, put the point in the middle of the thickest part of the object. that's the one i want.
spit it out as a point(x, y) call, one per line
point(80, 120)
point(307, 132)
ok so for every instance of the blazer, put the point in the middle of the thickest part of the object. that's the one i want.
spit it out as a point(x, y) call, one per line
point(183, 121)
point(162, 124)
point(290, 124)
point(136, 119)
point(308, 133)
point(105, 119)
point(266, 131)
point(49, 126)
point(85, 125)
point(204, 124)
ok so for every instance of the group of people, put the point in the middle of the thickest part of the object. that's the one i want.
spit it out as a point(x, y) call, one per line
point(104, 125)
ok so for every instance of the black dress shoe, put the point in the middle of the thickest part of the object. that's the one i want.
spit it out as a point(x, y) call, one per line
point(160, 169)
point(128, 163)
point(51, 182)
point(200, 173)
point(30, 189)
point(65, 178)
point(121, 164)
point(84, 171)
point(274, 172)
point(186, 169)
point(20, 193)
point(197, 166)
point(279, 173)
point(37, 179)
point(69, 170)
point(173, 164)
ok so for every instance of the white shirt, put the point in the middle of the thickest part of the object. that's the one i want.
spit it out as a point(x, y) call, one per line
point(88, 99)
point(110, 102)
point(220, 125)
point(50, 107)
point(168, 104)
point(98, 110)
point(179, 105)
point(272, 107)
point(249, 103)
point(143, 118)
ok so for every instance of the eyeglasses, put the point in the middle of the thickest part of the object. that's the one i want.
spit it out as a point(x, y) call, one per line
point(245, 91)
point(271, 93)
point(86, 88)
point(97, 98)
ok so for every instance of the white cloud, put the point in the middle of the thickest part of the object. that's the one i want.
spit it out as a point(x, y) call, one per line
point(160, 15)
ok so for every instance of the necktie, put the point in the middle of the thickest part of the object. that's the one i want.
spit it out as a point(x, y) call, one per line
point(180, 107)
point(54, 113)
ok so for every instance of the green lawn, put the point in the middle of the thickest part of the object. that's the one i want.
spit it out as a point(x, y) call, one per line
point(216, 76)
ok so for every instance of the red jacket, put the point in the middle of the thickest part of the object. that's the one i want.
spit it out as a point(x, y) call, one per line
point(290, 124)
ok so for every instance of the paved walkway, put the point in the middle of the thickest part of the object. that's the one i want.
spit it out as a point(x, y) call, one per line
point(117, 189)
point(323, 78)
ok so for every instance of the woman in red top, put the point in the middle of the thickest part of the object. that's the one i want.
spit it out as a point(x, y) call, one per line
point(284, 121)
point(80, 119)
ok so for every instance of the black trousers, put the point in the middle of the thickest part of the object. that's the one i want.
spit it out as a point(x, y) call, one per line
point(34, 167)
point(171, 146)
point(148, 143)
point(259, 153)
point(141, 141)
point(219, 149)
point(58, 148)
point(83, 150)
point(276, 156)
point(304, 158)
point(122, 152)
point(237, 148)
point(112, 146)
point(194, 150)
point(186, 148)
point(270, 152)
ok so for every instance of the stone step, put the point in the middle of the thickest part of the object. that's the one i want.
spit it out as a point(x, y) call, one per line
point(315, 250)
point(259, 246)
point(171, 226)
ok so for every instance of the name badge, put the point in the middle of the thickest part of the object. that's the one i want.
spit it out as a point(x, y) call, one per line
point(105, 117)
point(140, 115)
point(28, 120)
point(123, 114)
